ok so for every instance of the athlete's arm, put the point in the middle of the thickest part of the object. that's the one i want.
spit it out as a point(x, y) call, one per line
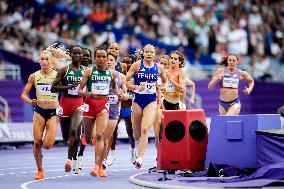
point(218, 75)
point(163, 76)
point(27, 89)
point(133, 70)
point(114, 85)
point(83, 83)
point(123, 67)
point(191, 84)
point(124, 88)
point(244, 75)
point(180, 86)
point(56, 87)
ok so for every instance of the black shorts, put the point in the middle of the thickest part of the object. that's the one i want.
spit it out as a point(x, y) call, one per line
point(45, 113)
point(170, 106)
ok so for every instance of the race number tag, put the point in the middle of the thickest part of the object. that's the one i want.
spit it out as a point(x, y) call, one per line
point(74, 90)
point(170, 88)
point(100, 88)
point(149, 88)
point(113, 99)
point(230, 82)
point(43, 88)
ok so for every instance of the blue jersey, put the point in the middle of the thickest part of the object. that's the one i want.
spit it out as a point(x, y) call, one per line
point(146, 77)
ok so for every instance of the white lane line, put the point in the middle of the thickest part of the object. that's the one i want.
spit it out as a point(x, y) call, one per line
point(25, 185)
point(1, 174)
point(24, 172)
point(31, 167)
point(16, 164)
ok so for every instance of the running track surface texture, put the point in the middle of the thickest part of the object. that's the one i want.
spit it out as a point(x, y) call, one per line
point(17, 169)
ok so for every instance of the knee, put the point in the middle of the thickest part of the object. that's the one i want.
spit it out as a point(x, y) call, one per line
point(99, 136)
point(144, 131)
point(73, 133)
point(37, 144)
point(47, 146)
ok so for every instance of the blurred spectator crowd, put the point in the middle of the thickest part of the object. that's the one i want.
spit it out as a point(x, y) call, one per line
point(251, 28)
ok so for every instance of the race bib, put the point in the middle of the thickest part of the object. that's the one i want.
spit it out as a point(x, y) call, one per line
point(149, 88)
point(100, 88)
point(113, 99)
point(84, 107)
point(230, 82)
point(170, 88)
point(44, 88)
point(59, 111)
point(74, 90)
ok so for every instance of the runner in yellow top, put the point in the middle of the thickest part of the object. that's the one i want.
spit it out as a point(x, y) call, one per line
point(45, 106)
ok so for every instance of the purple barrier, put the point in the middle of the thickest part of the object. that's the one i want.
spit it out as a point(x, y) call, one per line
point(11, 90)
point(269, 147)
point(232, 139)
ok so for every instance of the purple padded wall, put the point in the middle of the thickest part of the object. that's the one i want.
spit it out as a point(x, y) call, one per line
point(232, 139)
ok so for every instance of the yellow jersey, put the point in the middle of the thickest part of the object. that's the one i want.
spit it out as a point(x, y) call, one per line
point(43, 86)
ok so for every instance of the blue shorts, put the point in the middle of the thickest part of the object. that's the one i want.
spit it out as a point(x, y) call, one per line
point(227, 105)
point(125, 112)
point(144, 100)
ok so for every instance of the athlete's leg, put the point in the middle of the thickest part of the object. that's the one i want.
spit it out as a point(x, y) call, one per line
point(129, 131)
point(222, 110)
point(157, 123)
point(50, 132)
point(76, 119)
point(101, 124)
point(136, 118)
point(235, 109)
point(88, 124)
point(108, 133)
point(146, 124)
point(65, 128)
point(38, 129)
point(81, 137)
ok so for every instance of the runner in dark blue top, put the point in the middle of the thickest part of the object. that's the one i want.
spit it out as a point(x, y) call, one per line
point(145, 73)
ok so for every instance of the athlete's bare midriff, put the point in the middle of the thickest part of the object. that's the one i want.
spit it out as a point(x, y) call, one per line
point(228, 94)
point(172, 98)
point(48, 104)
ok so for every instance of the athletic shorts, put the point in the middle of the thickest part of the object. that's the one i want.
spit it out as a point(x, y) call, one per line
point(45, 113)
point(70, 105)
point(228, 105)
point(114, 110)
point(125, 112)
point(170, 106)
point(96, 106)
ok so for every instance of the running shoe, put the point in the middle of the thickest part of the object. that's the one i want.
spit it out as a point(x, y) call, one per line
point(101, 172)
point(68, 165)
point(138, 163)
point(95, 171)
point(75, 166)
point(39, 175)
point(111, 158)
point(133, 157)
point(80, 162)
point(104, 164)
